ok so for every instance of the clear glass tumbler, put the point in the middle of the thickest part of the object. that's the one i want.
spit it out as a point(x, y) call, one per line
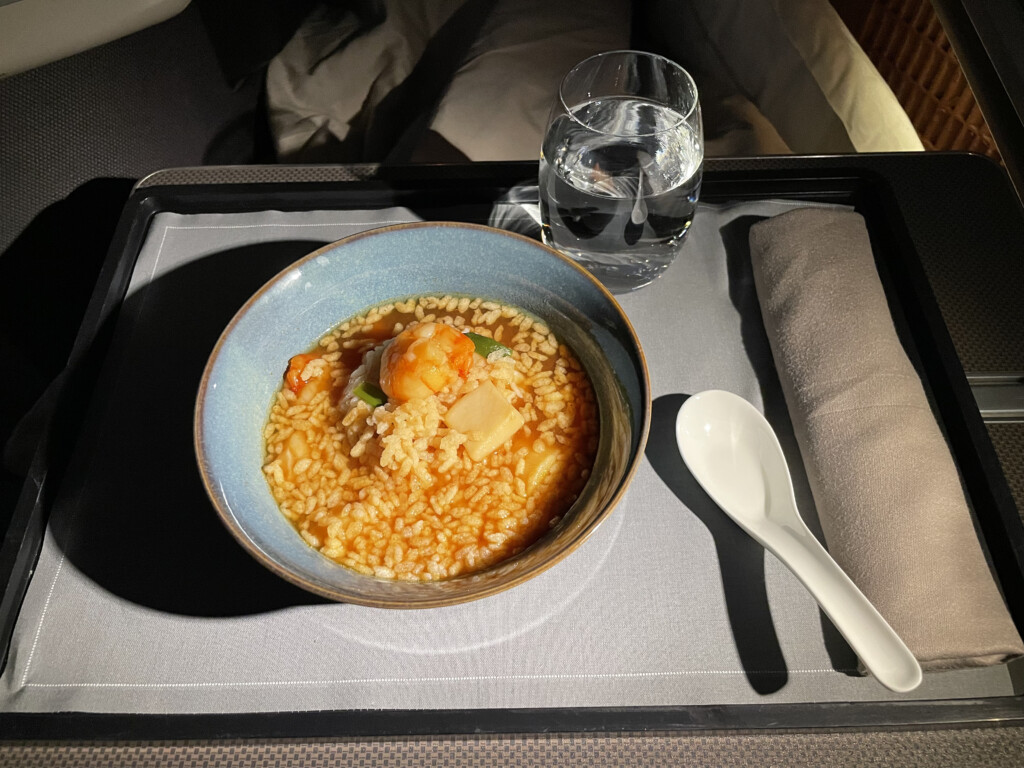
point(621, 166)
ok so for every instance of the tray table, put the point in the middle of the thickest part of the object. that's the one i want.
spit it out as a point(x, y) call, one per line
point(156, 304)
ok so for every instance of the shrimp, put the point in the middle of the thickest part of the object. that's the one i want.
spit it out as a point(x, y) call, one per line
point(424, 359)
point(306, 370)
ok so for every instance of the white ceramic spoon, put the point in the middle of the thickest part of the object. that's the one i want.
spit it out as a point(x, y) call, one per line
point(734, 454)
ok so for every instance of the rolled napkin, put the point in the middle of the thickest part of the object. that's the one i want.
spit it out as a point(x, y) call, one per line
point(888, 494)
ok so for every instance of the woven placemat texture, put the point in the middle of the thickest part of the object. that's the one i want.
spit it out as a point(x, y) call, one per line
point(263, 174)
point(976, 747)
point(1008, 440)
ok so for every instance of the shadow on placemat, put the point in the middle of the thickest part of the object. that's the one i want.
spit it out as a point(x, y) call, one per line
point(743, 293)
point(740, 557)
point(142, 526)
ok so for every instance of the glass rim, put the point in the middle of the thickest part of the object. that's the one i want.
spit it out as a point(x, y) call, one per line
point(684, 118)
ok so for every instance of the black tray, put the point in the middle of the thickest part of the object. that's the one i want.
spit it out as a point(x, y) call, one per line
point(893, 194)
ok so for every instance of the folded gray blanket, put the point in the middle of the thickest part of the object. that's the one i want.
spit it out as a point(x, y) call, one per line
point(888, 494)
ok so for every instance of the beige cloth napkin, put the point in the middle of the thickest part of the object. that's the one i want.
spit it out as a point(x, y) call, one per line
point(889, 498)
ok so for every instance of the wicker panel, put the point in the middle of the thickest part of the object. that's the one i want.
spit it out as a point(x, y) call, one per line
point(905, 41)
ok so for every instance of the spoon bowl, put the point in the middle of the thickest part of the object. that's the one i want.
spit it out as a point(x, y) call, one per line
point(733, 453)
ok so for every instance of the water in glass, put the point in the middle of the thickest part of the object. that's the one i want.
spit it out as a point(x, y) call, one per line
point(620, 178)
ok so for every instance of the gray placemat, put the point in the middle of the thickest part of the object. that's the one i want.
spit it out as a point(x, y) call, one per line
point(667, 604)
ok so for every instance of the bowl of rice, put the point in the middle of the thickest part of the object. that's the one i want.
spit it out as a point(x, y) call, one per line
point(422, 415)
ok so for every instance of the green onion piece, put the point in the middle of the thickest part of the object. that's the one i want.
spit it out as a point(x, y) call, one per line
point(370, 393)
point(485, 347)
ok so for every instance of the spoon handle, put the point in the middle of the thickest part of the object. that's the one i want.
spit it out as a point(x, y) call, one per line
point(872, 639)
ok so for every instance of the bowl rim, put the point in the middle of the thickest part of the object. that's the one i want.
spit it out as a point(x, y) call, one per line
point(441, 599)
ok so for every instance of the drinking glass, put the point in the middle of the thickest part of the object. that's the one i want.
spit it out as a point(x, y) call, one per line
point(621, 166)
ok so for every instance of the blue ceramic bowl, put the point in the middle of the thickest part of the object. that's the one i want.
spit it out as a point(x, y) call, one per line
point(297, 307)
